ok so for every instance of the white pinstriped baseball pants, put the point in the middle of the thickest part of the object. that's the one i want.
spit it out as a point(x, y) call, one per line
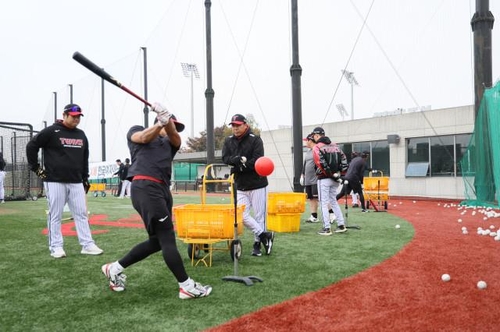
point(255, 200)
point(58, 194)
point(327, 196)
point(2, 190)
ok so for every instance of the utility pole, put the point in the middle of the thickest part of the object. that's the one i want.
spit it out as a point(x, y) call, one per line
point(209, 92)
point(296, 73)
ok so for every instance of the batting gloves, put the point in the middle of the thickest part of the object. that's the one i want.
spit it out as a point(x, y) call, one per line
point(40, 172)
point(86, 185)
point(163, 114)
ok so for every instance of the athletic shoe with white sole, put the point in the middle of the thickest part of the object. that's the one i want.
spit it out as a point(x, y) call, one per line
point(91, 249)
point(333, 217)
point(341, 229)
point(325, 231)
point(267, 239)
point(312, 220)
point(116, 281)
point(256, 249)
point(58, 253)
point(198, 290)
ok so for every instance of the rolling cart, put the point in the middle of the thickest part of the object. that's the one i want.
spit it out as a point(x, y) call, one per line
point(376, 189)
point(98, 188)
point(206, 228)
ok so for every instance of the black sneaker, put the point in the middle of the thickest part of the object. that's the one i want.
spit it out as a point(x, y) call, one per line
point(341, 229)
point(270, 243)
point(256, 249)
point(364, 210)
point(355, 205)
point(325, 231)
point(267, 238)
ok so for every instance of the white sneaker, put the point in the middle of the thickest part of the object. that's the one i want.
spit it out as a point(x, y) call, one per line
point(91, 249)
point(198, 290)
point(116, 281)
point(58, 253)
point(333, 217)
point(312, 219)
point(2, 201)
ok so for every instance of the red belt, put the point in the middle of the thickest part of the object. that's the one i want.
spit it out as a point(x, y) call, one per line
point(147, 177)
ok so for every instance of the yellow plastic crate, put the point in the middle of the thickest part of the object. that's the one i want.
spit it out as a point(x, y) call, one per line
point(284, 222)
point(286, 203)
point(207, 221)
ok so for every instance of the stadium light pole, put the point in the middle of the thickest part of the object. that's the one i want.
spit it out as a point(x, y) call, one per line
point(191, 70)
point(55, 106)
point(70, 93)
point(349, 76)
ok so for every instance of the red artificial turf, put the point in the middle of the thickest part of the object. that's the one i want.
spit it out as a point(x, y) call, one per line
point(405, 292)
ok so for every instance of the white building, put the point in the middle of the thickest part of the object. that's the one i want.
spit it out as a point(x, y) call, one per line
point(421, 160)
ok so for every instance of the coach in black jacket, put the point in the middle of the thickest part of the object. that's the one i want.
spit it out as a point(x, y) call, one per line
point(240, 151)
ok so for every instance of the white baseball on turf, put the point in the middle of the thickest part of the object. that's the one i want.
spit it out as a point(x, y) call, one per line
point(397, 227)
point(445, 277)
point(481, 284)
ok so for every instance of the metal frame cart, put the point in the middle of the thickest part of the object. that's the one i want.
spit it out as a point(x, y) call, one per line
point(203, 226)
point(376, 189)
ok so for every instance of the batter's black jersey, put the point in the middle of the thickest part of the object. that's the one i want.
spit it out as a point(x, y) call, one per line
point(152, 159)
point(356, 170)
point(66, 153)
point(252, 147)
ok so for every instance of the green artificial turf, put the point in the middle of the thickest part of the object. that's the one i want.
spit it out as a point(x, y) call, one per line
point(40, 293)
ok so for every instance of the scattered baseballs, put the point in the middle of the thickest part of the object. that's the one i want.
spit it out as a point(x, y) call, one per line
point(445, 277)
point(459, 220)
point(398, 227)
point(481, 284)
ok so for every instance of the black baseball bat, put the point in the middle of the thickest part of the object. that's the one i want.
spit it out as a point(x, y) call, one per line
point(81, 59)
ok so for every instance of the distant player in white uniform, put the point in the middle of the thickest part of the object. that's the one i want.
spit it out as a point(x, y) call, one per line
point(65, 175)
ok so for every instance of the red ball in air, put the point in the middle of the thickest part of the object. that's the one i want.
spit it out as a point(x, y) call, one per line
point(264, 166)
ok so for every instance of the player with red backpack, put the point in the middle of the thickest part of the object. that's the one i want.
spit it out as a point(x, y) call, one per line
point(330, 161)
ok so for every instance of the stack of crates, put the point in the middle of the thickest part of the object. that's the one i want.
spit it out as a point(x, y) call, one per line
point(284, 211)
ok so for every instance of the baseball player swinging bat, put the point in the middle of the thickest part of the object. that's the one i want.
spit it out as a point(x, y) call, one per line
point(77, 56)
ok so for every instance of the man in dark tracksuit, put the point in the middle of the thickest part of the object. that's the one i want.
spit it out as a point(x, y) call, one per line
point(241, 150)
point(355, 175)
point(152, 151)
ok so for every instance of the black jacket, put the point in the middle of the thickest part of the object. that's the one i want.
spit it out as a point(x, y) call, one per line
point(66, 153)
point(356, 171)
point(250, 146)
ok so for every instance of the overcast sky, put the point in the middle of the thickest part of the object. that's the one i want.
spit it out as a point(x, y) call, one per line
point(408, 54)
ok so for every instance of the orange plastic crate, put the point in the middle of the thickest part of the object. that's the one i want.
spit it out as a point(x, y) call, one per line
point(284, 222)
point(286, 203)
point(207, 221)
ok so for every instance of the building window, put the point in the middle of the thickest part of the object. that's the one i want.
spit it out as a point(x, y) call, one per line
point(436, 156)
point(418, 156)
point(379, 154)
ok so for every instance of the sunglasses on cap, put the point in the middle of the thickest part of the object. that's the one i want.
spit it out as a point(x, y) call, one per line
point(74, 108)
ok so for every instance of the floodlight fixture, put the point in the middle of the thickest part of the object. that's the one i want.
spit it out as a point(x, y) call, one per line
point(349, 76)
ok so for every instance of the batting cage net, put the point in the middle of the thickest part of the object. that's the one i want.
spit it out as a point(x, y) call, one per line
point(481, 162)
point(20, 183)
